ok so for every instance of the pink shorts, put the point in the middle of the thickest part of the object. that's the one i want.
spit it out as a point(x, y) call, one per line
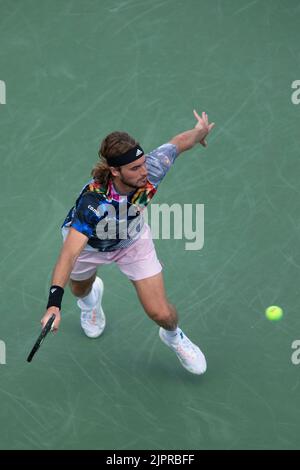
point(137, 262)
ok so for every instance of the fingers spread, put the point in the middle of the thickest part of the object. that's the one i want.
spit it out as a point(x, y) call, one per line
point(196, 115)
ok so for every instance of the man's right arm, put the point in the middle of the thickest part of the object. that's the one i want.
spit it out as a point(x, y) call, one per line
point(72, 247)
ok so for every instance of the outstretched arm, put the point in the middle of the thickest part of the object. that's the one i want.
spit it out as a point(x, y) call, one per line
point(188, 139)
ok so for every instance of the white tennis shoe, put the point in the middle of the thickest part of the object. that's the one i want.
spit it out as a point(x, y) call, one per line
point(93, 320)
point(187, 352)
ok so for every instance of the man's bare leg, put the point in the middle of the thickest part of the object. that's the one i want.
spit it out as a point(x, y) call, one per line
point(151, 293)
point(82, 288)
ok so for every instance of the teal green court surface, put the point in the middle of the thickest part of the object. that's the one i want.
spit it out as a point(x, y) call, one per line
point(76, 70)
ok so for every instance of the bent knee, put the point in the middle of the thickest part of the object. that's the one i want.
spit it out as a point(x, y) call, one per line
point(161, 314)
point(78, 290)
point(81, 288)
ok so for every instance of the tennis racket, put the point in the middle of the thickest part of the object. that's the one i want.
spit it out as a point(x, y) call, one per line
point(41, 338)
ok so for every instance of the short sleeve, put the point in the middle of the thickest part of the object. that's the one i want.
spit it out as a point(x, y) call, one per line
point(86, 215)
point(159, 161)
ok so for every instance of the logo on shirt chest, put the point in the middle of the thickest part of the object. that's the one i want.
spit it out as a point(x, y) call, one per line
point(94, 210)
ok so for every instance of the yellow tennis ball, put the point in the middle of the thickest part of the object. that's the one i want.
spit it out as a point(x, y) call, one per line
point(274, 313)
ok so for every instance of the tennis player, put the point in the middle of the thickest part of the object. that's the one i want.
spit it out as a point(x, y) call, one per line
point(106, 226)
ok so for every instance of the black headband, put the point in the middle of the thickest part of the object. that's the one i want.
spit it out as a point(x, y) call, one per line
point(130, 156)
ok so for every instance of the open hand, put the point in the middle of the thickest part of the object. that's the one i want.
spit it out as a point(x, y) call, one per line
point(203, 124)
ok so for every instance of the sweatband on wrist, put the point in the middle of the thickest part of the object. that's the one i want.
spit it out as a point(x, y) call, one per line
point(130, 156)
point(55, 296)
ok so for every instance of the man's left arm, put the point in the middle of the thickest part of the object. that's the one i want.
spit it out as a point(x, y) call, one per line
point(188, 139)
point(160, 160)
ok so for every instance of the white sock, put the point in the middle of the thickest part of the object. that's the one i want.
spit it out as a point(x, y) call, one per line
point(90, 301)
point(172, 335)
